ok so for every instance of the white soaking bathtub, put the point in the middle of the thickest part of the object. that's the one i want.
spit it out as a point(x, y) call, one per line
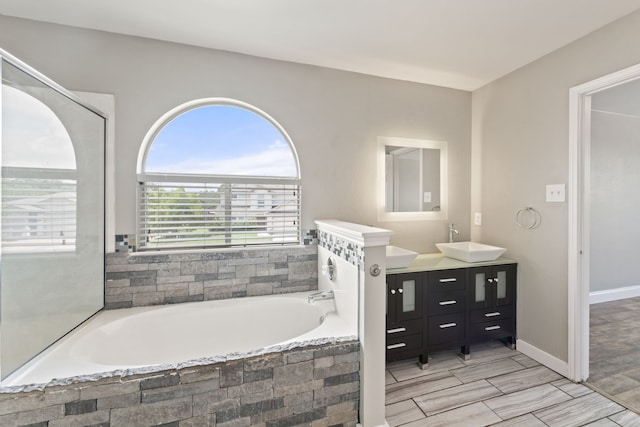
point(171, 335)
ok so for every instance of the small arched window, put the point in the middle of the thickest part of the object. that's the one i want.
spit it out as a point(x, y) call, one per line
point(217, 173)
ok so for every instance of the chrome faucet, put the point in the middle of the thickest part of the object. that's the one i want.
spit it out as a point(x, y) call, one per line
point(452, 232)
point(317, 296)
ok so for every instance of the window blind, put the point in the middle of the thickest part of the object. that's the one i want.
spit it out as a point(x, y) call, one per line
point(39, 214)
point(217, 212)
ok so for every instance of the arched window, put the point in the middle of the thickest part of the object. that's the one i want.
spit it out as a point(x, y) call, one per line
point(217, 173)
point(39, 177)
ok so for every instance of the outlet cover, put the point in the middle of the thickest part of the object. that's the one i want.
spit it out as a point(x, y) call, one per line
point(555, 193)
point(477, 218)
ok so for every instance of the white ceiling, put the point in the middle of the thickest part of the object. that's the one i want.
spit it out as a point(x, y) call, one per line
point(462, 44)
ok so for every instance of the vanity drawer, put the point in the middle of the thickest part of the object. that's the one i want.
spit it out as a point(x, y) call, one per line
point(493, 329)
point(397, 345)
point(492, 314)
point(409, 327)
point(444, 280)
point(445, 303)
point(448, 328)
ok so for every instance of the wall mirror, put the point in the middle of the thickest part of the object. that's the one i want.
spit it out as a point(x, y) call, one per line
point(412, 179)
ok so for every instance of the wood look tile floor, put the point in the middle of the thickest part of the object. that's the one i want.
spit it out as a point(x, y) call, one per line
point(614, 350)
point(497, 386)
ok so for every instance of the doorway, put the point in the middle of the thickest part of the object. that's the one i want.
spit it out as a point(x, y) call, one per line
point(588, 102)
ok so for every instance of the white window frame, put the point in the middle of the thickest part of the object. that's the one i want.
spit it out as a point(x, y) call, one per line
point(287, 188)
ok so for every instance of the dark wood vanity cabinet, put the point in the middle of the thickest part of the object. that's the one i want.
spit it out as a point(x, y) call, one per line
point(405, 316)
point(440, 309)
point(492, 298)
point(445, 308)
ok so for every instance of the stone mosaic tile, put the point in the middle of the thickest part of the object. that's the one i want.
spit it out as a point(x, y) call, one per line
point(310, 237)
point(125, 243)
point(349, 251)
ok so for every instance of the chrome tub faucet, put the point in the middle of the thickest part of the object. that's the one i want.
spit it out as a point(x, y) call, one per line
point(317, 296)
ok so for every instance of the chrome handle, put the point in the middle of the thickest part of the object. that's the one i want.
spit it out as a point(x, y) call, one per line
point(392, 346)
point(496, 280)
point(447, 325)
point(400, 290)
point(495, 313)
point(393, 291)
point(375, 270)
point(490, 280)
point(492, 328)
point(448, 302)
point(452, 279)
point(396, 330)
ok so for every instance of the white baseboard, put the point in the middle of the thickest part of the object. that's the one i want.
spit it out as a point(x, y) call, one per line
point(614, 294)
point(551, 362)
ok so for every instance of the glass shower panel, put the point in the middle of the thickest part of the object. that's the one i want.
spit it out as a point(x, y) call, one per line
point(52, 217)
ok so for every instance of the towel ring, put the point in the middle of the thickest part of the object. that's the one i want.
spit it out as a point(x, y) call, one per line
point(528, 218)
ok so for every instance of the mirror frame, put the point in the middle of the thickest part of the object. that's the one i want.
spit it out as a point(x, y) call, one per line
point(383, 215)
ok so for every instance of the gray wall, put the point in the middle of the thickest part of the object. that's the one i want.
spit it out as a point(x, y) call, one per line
point(615, 200)
point(333, 117)
point(520, 136)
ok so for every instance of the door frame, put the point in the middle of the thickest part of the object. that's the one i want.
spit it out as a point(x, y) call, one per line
point(579, 215)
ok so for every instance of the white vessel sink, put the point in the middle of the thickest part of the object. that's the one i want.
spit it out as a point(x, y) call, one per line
point(470, 251)
point(399, 257)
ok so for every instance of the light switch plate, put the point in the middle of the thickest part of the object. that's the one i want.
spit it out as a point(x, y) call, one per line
point(555, 193)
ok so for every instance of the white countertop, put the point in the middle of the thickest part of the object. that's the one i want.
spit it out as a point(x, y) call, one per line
point(437, 261)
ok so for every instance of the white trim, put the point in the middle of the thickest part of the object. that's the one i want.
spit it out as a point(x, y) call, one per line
point(578, 220)
point(4, 55)
point(548, 360)
point(359, 234)
point(597, 297)
point(106, 102)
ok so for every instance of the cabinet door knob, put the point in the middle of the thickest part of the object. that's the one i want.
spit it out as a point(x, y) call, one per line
point(393, 291)
point(490, 280)
point(400, 290)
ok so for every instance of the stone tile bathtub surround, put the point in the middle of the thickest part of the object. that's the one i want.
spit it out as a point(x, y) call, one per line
point(152, 278)
point(315, 385)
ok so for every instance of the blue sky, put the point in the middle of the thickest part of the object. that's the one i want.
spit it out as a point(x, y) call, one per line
point(221, 140)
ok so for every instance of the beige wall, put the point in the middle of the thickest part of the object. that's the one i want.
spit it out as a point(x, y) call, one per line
point(519, 135)
point(333, 117)
point(520, 143)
